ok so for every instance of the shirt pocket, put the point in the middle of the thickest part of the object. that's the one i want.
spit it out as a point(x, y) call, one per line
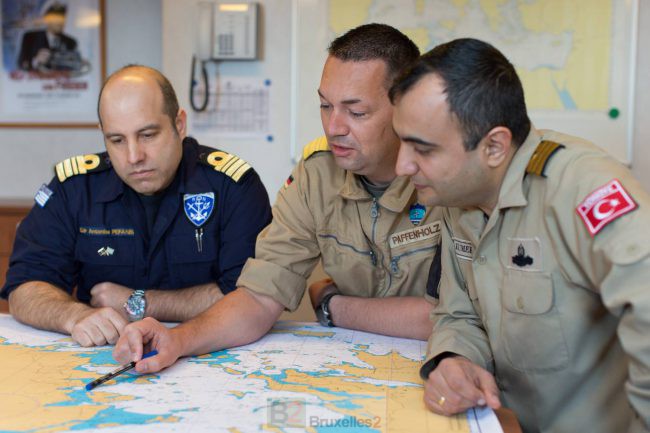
point(531, 329)
point(105, 250)
point(351, 265)
point(104, 258)
point(189, 266)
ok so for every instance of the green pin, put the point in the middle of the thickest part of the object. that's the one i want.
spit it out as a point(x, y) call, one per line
point(614, 113)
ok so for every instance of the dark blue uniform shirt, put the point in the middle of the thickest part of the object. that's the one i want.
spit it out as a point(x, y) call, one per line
point(93, 229)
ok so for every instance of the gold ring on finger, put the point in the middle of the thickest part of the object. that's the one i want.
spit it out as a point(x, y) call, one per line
point(441, 401)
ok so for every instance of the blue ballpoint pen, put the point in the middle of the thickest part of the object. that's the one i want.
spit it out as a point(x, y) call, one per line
point(122, 369)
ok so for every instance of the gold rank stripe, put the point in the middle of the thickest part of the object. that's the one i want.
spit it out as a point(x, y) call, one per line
point(318, 145)
point(226, 163)
point(76, 165)
point(235, 167)
point(541, 156)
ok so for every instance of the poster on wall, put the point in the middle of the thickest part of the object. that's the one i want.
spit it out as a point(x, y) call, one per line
point(52, 62)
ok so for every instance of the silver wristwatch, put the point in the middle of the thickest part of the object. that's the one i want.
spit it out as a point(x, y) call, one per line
point(135, 305)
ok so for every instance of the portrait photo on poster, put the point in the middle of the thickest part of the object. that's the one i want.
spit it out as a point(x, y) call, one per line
point(53, 62)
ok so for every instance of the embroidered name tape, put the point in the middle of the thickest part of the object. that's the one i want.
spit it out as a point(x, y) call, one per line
point(101, 231)
point(604, 205)
point(429, 231)
point(464, 249)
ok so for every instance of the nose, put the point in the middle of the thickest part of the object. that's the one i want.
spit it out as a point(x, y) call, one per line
point(334, 124)
point(406, 165)
point(135, 153)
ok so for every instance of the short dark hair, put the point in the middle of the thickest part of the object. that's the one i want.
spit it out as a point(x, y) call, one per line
point(376, 42)
point(482, 87)
point(170, 101)
point(56, 8)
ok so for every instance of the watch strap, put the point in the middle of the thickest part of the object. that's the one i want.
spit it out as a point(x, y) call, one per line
point(324, 313)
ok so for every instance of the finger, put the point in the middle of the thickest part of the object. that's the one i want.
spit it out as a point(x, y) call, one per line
point(463, 389)
point(96, 334)
point(134, 340)
point(111, 335)
point(489, 388)
point(437, 395)
point(121, 351)
point(80, 336)
point(451, 401)
point(153, 364)
point(117, 320)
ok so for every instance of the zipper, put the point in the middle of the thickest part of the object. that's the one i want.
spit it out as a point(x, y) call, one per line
point(369, 253)
point(394, 267)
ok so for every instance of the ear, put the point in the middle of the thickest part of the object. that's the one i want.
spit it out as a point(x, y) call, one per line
point(497, 146)
point(181, 123)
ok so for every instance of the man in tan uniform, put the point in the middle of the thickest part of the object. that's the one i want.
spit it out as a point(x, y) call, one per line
point(544, 300)
point(342, 203)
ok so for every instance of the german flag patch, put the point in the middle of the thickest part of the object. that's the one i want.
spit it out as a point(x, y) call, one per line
point(288, 182)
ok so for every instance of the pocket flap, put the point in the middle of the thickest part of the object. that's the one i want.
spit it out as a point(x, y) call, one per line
point(527, 293)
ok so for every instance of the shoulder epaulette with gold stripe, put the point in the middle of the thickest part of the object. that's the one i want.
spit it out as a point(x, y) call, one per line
point(224, 162)
point(318, 145)
point(538, 162)
point(81, 164)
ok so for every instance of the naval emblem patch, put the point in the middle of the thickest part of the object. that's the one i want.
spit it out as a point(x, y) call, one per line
point(198, 207)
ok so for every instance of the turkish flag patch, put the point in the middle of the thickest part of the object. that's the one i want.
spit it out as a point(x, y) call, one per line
point(604, 205)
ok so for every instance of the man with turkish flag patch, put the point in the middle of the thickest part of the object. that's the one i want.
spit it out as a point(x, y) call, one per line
point(605, 205)
point(536, 313)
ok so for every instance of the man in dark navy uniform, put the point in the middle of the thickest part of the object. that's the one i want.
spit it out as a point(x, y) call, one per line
point(157, 226)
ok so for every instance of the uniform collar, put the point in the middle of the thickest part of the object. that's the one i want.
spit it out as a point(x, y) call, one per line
point(512, 188)
point(113, 186)
point(396, 197)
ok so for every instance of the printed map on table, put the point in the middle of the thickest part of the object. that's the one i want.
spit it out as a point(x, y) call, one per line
point(300, 377)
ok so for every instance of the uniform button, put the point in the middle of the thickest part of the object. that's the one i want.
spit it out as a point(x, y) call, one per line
point(520, 303)
point(481, 260)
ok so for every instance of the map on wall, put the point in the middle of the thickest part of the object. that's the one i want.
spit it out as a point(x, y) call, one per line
point(574, 57)
point(300, 377)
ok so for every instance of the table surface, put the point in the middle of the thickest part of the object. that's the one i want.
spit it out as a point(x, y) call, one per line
point(299, 375)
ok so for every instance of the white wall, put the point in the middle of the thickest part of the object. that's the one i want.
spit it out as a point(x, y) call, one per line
point(133, 34)
point(271, 159)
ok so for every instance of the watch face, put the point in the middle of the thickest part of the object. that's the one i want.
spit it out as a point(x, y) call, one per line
point(135, 306)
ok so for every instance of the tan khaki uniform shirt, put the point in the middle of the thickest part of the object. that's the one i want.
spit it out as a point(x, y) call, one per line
point(558, 315)
point(370, 248)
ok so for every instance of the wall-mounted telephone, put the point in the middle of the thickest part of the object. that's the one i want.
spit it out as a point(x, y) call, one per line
point(228, 31)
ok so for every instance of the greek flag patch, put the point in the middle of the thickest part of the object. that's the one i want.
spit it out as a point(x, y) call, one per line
point(198, 207)
point(43, 195)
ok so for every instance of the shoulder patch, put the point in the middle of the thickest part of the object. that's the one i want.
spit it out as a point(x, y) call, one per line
point(604, 205)
point(82, 164)
point(538, 162)
point(318, 145)
point(224, 162)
